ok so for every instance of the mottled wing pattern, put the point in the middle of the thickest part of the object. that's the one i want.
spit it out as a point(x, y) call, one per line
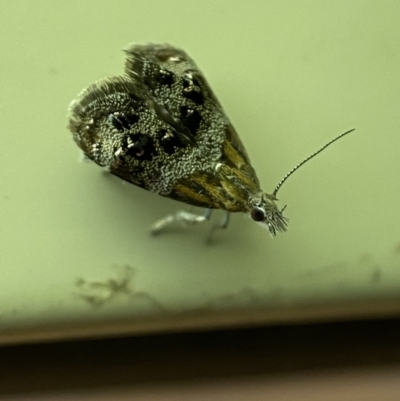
point(170, 75)
point(160, 127)
point(105, 114)
point(143, 66)
point(172, 78)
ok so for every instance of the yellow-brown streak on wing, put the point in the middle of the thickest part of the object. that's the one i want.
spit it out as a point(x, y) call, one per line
point(233, 138)
point(229, 187)
point(234, 155)
point(204, 189)
point(238, 185)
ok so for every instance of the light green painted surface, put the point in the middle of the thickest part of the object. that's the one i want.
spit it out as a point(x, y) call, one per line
point(291, 75)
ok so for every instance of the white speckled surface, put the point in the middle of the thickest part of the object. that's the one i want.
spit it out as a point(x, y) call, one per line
point(75, 254)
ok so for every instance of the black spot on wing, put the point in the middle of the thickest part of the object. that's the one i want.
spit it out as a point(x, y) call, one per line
point(192, 91)
point(122, 121)
point(190, 118)
point(165, 77)
point(139, 146)
point(170, 141)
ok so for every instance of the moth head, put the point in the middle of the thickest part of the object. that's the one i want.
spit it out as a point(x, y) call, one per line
point(264, 210)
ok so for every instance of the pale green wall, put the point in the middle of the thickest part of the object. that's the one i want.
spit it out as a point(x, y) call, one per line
point(290, 74)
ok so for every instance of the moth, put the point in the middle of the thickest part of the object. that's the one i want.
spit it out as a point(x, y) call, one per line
point(159, 126)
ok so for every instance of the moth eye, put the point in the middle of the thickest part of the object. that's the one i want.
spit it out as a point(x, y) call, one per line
point(169, 141)
point(165, 77)
point(257, 214)
point(139, 146)
point(122, 121)
point(191, 118)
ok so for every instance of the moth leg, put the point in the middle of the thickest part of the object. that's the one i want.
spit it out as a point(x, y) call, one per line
point(183, 217)
point(221, 225)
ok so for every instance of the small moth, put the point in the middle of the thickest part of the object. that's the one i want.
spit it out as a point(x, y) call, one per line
point(159, 126)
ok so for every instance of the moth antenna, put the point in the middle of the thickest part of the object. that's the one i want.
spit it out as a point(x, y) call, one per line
point(307, 159)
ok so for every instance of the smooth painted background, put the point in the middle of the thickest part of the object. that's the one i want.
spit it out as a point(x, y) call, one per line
point(75, 251)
